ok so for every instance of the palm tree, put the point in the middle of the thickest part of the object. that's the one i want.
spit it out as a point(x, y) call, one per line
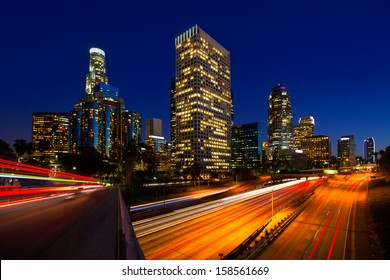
point(20, 146)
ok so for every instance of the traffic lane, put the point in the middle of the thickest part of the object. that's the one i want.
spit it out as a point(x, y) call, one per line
point(299, 240)
point(210, 235)
point(29, 231)
point(162, 207)
point(179, 240)
point(320, 237)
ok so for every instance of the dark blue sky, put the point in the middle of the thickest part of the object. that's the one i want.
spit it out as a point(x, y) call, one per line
point(333, 56)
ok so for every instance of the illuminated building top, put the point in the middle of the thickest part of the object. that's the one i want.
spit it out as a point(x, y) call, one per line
point(97, 70)
point(96, 50)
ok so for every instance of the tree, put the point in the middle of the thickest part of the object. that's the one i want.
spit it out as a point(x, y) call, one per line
point(150, 160)
point(130, 157)
point(20, 146)
point(6, 150)
point(30, 149)
point(384, 161)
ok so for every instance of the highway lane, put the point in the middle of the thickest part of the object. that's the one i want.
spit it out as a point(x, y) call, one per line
point(223, 227)
point(332, 226)
point(147, 210)
point(78, 226)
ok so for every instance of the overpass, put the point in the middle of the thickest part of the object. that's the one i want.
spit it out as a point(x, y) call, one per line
point(70, 220)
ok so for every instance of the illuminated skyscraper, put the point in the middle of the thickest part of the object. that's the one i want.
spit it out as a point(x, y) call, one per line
point(202, 103)
point(96, 119)
point(131, 127)
point(280, 129)
point(97, 70)
point(305, 128)
point(50, 133)
point(346, 151)
point(369, 150)
point(318, 149)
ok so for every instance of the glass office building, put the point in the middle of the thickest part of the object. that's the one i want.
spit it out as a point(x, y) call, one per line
point(369, 150)
point(201, 103)
point(246, 146)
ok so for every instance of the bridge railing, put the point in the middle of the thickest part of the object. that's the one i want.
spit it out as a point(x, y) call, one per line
point(128, 246)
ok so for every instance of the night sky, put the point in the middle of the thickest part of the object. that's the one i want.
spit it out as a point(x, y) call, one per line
point(333, 56)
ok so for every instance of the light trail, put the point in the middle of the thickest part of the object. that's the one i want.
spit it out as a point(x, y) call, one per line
point(151, 205)
point(157, 223)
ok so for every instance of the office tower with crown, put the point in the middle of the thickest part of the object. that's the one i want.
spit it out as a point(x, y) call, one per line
point(96, 119)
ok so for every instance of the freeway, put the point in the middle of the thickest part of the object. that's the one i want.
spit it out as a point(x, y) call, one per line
point(212, 229)
point(332, 226)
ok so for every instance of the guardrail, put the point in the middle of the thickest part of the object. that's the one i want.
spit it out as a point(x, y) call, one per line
point(244, 245)
point(128, 246)
point(270, 236)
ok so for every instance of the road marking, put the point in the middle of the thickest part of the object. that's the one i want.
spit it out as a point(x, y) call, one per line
point(334, 237)
point(320, 237)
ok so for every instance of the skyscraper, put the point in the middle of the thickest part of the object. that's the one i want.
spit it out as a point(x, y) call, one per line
point(96, 119)
point(153, 127)
point(246, 146)
point(369, 150)
point(202, 103)
point(50, 133)
point(97, 70)
point(305, 128)
point(131, 127)
point(280, 129)
point(318, 149)
point(346, 151)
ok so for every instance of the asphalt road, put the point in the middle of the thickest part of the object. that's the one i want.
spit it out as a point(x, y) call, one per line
point(79, 226)
point(332, 226)
point(217, 231)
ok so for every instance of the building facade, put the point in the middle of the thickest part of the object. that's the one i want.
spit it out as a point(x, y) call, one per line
point(279, 123)
point(201, 103)
point(131, 127)
point(50, 133)
point(318, 149)
point(346, 151)
point(369, 150)
point(153, 127)
point(96, 120)
point(305, 128)
point(247, 146)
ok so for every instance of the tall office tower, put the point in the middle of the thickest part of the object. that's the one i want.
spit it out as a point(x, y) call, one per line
point(153, 127)
point(280, 129)
point(131, 127)
point(305, 128)
point(369, 150)
point(112, 106)
point(96, 119)
point(50, 134)
point(246, 146)
point(318, 149)
point(202, 103)
point(97, 70)
point(346, 151)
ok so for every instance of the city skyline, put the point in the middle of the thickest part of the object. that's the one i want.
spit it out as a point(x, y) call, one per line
point(339, 54)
